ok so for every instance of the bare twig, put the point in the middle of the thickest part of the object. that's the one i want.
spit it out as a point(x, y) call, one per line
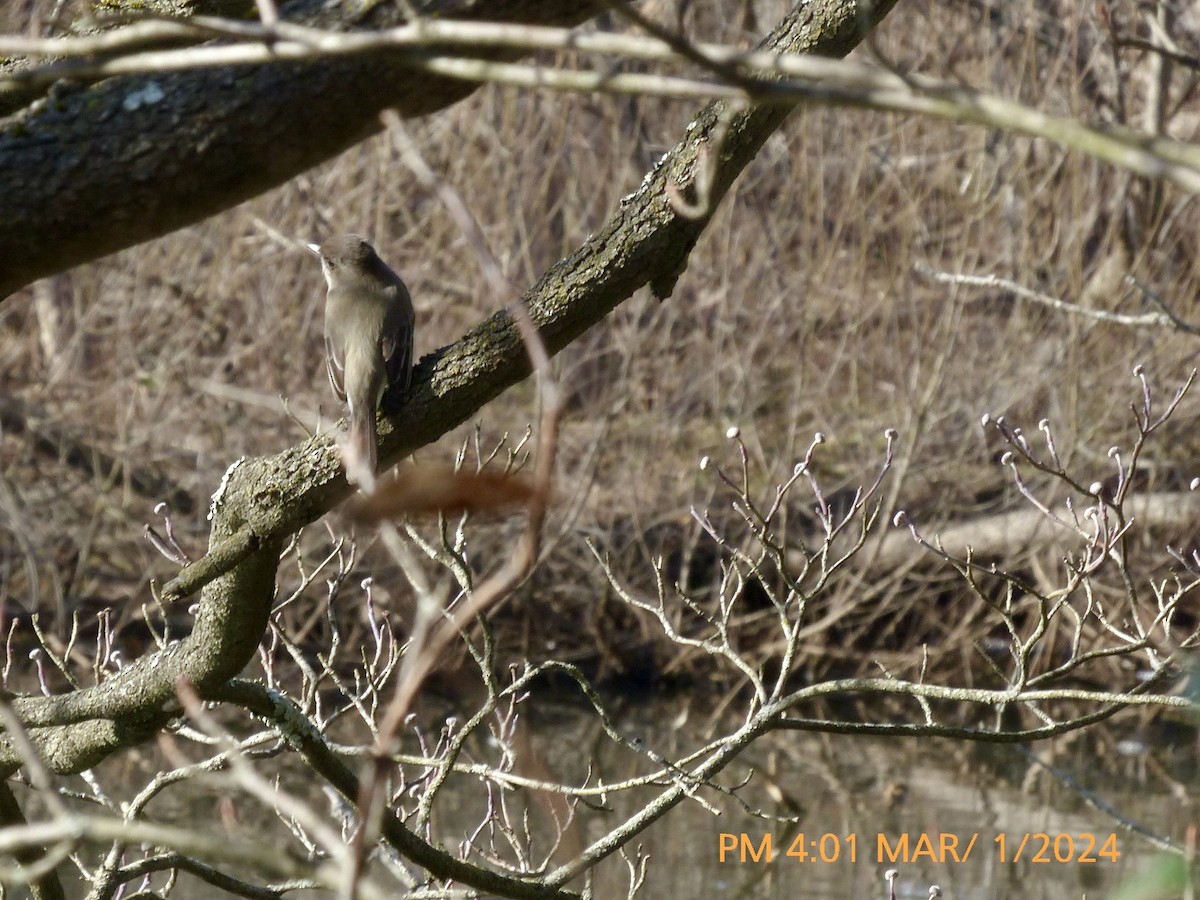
point(1163, 319)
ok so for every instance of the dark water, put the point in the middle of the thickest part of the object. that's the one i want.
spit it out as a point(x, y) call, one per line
point(980, 822)
point(939, 812)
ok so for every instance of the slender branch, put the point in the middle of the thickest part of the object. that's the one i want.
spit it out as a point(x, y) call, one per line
point(1161, 319)
point(981, 695)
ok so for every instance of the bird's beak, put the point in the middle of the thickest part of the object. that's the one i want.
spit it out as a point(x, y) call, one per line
point(315, 248)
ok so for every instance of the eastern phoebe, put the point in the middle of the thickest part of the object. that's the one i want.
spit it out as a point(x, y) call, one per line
point(368, 343)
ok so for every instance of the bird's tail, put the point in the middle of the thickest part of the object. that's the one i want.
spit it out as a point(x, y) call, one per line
point(358, 449)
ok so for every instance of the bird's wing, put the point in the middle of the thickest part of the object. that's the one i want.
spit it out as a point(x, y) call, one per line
point(336, 369)
point(396, 343)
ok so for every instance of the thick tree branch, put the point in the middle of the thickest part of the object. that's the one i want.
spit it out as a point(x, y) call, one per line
point(92, 171)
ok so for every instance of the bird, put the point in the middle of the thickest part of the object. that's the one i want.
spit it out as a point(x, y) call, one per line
point(369, 324)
